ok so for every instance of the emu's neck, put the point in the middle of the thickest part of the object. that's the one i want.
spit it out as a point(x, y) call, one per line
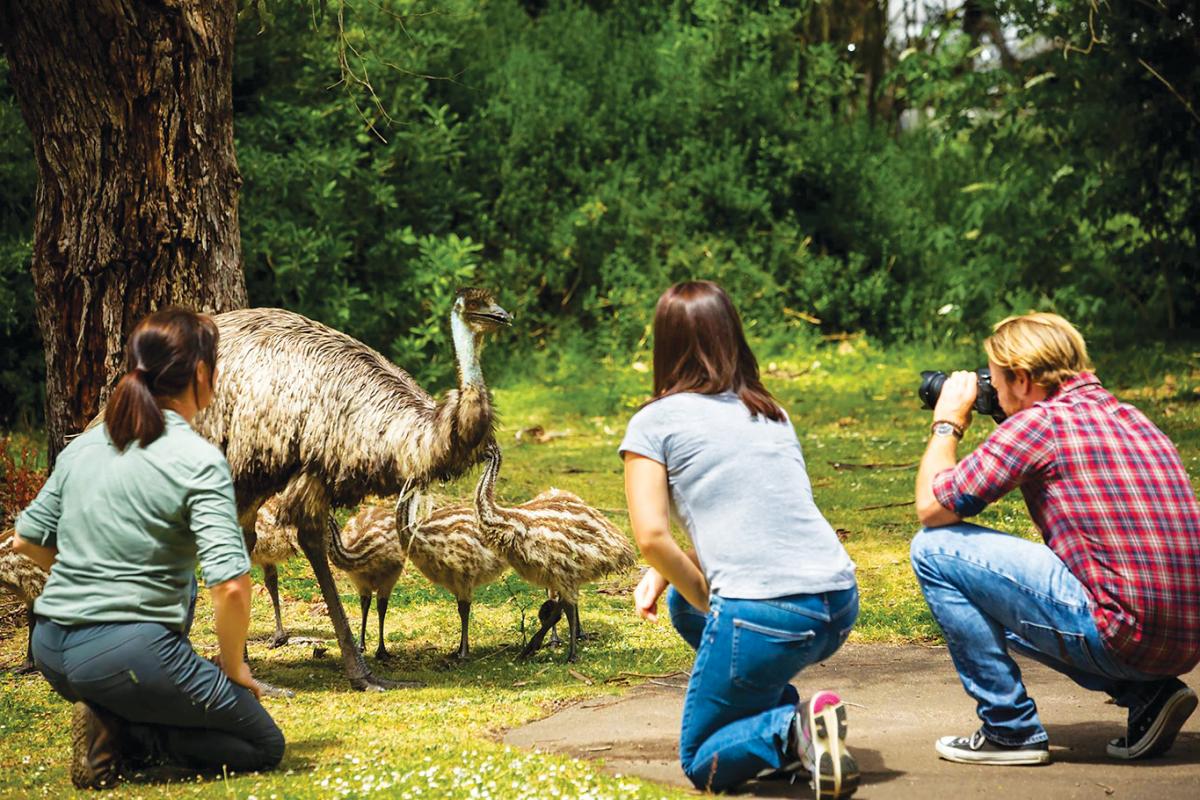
point(466, 351)
point(493, 519)
point(339, 556)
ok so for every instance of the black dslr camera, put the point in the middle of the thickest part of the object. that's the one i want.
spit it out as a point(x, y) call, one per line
point(986, 399)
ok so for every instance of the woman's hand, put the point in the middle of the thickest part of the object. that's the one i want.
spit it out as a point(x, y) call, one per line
point(240, 674)
point(645, 596)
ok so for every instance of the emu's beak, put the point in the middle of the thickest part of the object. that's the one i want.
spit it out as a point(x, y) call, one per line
point(498, 315)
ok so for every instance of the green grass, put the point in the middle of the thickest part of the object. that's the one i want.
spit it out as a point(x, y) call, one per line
point(856, 414)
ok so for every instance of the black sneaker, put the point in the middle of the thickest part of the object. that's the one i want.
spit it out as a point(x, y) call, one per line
point(978, 749)
point(820, 744)
point(1152, 732)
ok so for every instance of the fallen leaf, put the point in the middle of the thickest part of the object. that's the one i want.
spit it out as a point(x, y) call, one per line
point(579, 676)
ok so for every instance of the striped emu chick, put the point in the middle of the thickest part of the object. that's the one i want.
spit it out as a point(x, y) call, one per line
point(555, 541)
point(447, 548)
point(369, 552)
point(275, 544)
point(25, 579)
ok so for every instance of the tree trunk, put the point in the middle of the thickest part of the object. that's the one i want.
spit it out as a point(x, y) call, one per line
point(130, 107)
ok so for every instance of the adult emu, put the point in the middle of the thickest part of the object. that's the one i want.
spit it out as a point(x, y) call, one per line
point(308, 412)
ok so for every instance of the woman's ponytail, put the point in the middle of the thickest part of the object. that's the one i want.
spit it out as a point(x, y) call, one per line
point(161, 358)
point(132, 412)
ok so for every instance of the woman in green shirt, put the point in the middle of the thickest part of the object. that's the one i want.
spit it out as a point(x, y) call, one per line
point(131, 507)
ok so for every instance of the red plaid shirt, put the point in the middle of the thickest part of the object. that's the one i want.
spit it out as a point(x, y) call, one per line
point(1110, 495)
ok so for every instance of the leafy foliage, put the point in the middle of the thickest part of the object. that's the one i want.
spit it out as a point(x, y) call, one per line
point(577, 157)
point(22, 474)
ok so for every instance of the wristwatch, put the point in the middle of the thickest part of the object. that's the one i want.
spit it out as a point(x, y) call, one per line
point(946, 428)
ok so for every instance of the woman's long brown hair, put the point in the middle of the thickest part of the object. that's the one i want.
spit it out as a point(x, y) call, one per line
point(161, 360)
point(699, 347)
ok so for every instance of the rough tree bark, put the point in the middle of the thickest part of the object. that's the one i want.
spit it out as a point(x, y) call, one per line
point(130, 107)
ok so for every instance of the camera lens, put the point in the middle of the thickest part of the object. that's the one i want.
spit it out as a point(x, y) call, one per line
point(931, 387)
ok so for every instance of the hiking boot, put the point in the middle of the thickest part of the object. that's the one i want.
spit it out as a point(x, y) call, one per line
point(819, 737)
point(1152, 732)
point(978, 749)
point(95, 751)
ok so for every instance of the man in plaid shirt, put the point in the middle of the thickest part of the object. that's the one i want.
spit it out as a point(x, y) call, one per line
point(1112, 599)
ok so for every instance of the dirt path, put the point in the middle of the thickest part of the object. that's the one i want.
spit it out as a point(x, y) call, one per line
point(910, 697)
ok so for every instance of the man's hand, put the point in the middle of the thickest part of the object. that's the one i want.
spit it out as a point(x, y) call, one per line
point(957, 397)
point(645, 596)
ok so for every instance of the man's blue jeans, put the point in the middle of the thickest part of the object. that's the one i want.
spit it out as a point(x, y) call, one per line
point(992, 593)
point(739, 704)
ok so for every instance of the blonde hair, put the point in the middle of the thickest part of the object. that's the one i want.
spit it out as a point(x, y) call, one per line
point(1044, 345)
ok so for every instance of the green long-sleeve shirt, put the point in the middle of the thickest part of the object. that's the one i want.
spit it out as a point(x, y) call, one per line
point(130, 526)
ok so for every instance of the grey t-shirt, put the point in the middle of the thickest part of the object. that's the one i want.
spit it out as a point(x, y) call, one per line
point(739, 486)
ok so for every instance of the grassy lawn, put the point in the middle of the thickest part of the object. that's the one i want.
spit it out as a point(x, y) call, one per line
point(856, 414)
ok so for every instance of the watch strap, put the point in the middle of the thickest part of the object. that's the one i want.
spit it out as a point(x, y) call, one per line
point(954, 427)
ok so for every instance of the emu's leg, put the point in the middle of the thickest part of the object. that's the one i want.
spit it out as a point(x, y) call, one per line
point(312, 542)
point(550, 613)
point(464, 617)
point(573, 624)
point(554, 640)
point(364, 603)
point(271, 581)
point(28, 667)
point(381, 602)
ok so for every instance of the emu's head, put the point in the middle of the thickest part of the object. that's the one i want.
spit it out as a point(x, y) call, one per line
point(479, 311)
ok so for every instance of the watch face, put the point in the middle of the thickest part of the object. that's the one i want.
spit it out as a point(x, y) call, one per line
point(943, 429)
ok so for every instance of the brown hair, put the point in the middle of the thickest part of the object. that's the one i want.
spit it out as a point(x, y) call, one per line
point(161, 360)
point(699, 347)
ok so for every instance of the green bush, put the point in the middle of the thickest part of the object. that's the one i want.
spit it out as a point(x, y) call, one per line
point(577, 158)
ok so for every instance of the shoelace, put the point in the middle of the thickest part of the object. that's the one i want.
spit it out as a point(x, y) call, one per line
point(976, 741)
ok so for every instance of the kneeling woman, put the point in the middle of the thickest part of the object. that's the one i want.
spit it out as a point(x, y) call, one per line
point(130, 508)
point(768, 589)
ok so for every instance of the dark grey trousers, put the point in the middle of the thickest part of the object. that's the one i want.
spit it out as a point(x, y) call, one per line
point(180, 708)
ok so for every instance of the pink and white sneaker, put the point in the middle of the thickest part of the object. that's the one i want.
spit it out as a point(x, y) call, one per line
point(821, 745)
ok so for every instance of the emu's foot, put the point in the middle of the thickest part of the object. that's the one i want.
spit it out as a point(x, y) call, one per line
point(370, 683)
point(278, 640)
point(270, 690)
point(382, 655)
point(573, 658)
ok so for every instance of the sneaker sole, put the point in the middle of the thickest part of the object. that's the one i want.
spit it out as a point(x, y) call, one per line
point(1161, 736)
point(836, 775)
point(1020, 759)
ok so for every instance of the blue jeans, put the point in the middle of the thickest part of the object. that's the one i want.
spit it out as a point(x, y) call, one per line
point(739, 705)
point(177, 707)
point(993, 593)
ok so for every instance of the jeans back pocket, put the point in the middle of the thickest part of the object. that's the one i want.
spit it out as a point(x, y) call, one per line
point(766, 658)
